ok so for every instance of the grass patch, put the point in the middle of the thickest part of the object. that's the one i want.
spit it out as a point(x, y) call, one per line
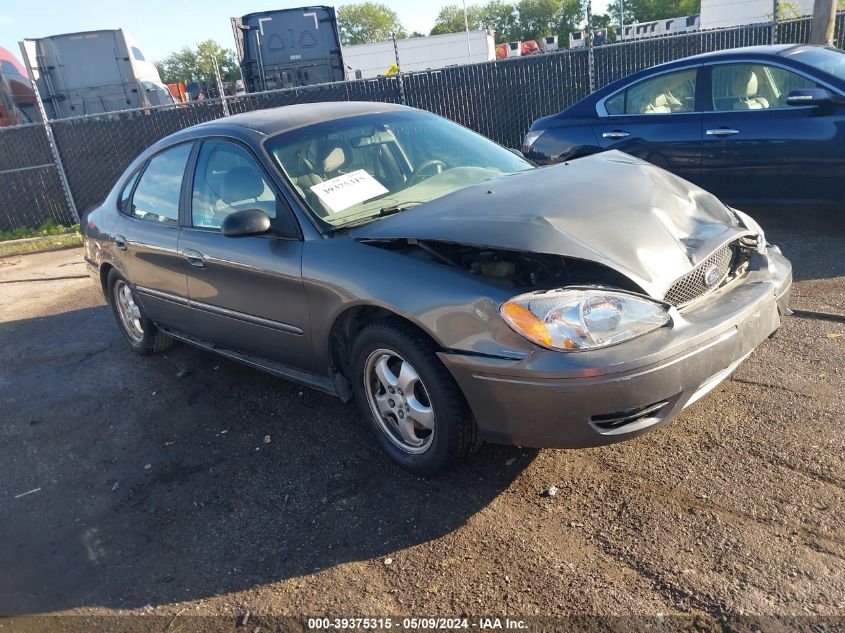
point(46, 243)
point(48, 228)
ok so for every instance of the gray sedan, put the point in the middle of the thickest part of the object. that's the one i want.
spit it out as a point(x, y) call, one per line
point(456, 291)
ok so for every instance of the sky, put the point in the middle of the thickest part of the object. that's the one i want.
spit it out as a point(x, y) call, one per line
point(163, 26)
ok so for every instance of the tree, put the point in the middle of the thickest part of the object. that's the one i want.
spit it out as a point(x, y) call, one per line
point(194, 64)
point(366, 22)
point(648, 10)
point(546, 17)
point(501, 18)
point(451, 19)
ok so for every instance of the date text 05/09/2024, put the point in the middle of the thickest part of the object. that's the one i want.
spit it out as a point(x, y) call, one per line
point(416, 624)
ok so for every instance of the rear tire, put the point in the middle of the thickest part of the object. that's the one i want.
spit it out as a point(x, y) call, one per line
point(410, 401)
point(139, 332)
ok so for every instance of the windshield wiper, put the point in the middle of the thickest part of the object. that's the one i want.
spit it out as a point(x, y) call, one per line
point(397, 208)
point(383, 212)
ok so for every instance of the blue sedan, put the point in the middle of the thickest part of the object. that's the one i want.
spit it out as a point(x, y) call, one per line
point(757, 126)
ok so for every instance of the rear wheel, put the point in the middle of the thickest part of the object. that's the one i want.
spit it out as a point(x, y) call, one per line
point(141, 334)
point(410, 401)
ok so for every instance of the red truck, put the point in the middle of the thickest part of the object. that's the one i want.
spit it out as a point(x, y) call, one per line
point(17, 97)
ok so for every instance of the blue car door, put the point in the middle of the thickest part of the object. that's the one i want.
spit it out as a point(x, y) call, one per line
point(657, 119)
point(758, 150)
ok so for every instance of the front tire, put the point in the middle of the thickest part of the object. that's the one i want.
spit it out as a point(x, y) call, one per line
point(139, 332)
point(410, 400)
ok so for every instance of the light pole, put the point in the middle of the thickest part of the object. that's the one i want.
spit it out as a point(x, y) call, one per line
point(466, 27)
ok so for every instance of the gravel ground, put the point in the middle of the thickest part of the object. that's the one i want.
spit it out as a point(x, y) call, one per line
point(185, 483)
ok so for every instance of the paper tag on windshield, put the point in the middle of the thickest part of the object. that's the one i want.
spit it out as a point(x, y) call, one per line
point(347, 190)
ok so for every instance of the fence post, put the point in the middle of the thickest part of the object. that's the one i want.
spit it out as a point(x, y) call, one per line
point(590, 58)
point(775, 11)
point(398, 70)
point(219, 81)
point(51, 140)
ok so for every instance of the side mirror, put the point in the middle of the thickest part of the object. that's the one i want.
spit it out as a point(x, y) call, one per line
point(245, 222)
point(810, 97)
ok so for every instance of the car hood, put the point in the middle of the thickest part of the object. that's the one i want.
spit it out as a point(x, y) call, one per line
point(609, 208)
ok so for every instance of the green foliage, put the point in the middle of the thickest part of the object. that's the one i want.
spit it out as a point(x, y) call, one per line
point(195, 64)
point(648, 10)
point(527, 20)
point(451, 19)
point(546, 17)
point(501, 17)
point(366, 22)
point(49, 227)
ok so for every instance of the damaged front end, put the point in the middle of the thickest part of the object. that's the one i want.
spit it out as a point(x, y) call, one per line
point(510, 269)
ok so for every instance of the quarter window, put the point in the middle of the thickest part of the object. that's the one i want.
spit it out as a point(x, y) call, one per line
point(669, 93)
point(228, 179)
point(754, 86)
point(157, 195)
point(127, 192)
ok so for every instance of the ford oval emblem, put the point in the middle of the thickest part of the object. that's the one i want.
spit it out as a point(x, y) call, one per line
point(712, 275)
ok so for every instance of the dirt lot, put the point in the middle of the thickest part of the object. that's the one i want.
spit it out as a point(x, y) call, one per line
point(156, 493)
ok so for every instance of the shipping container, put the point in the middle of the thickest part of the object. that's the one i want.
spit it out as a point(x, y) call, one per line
point(364, 61)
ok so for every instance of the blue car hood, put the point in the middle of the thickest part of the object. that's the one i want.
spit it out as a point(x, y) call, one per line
point(610, 208)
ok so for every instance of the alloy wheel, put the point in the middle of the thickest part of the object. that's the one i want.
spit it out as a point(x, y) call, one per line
point(130, 313)
point(399, 401)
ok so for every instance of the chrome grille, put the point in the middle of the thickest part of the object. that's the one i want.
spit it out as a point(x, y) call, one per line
point(693, 285)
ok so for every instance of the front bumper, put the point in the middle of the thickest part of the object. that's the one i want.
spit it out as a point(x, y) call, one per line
point(582, 399)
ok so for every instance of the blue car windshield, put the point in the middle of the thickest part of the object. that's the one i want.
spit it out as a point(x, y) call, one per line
point(353, 169)
point(828, 60)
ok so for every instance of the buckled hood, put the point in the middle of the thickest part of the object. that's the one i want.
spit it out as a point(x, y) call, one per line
point(610, 208)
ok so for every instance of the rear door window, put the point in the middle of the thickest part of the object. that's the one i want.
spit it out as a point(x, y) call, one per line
point(669, 93)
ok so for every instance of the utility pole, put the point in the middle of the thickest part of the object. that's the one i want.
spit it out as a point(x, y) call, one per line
point(622, 20)
point(775, 18)
point(824, 14)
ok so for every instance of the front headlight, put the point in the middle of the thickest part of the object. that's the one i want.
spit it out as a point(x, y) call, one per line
point(751, 224)
point(581, 319)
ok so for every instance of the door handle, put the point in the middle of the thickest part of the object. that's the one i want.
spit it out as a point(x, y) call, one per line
point(119, 242)
point(615, 134)
point(195, 258)
point(722, 131)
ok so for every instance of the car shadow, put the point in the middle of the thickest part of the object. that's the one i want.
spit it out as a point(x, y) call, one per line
point(132, 480)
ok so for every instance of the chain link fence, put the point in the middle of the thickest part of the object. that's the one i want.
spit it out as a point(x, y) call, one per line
point(30, 186)
point(499, 99)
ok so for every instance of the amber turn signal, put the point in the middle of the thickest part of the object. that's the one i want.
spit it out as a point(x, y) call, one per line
point(524, 322)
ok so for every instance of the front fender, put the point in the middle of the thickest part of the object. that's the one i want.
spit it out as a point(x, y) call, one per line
point(458, 311)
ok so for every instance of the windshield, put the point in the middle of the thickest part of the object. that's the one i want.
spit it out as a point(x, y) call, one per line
point(362, 167)
point(828, 60)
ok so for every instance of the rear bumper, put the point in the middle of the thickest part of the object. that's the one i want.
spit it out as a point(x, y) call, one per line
point(575, 400)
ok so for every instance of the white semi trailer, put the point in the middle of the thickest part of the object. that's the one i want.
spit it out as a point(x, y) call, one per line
point(92, 72)
point(364, 61)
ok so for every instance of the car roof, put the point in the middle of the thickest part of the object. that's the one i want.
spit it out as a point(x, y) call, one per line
point(275, 120)
point(772, 49)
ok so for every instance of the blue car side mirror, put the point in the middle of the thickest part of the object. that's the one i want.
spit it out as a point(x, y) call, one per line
point(811, 97)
